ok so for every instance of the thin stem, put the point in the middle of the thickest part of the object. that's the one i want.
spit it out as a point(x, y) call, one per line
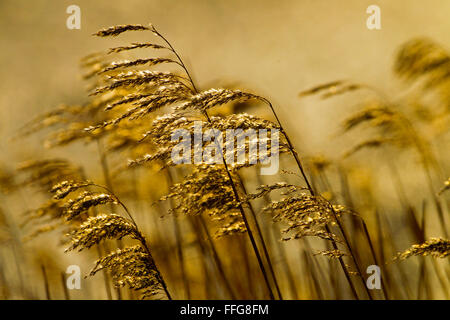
point(372, 250)
point(178, 241)
point(117, 199)
point(297, 159)
point(104, 165)
point(47, 289)
point(247, 225)
point(140, 237)
point(216, 257)
point(105, 275)
point(276, 235)
point(263, 242)
point(344, 268)
point(107, 177)
point(291, 147)
point(182, 65)
point(427, 160)
point(64, 285)
point(352, 255)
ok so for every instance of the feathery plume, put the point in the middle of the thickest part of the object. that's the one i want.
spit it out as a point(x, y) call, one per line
point(214, 97)
point(135, 46)
point(138, 62)
point(436, 247)
point(119, 29)
point(99, 228)
point(63, 188)
point(86, 200)
point(133, 267)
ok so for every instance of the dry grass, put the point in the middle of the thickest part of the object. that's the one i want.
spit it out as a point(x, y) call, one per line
point(222, 224)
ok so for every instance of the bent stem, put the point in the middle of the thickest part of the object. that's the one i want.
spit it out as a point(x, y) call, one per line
point(233, 185)
point(263, 242)
point(160, 278)
point(311, 191)
point(141, 239)
point(107, 177)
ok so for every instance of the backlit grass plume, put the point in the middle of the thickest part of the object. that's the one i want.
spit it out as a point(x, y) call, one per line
point(306, 215)
point(116, 30)
point(207, 191)
point(132, 267)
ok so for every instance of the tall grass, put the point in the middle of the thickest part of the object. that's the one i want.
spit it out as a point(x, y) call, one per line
point(211, 231)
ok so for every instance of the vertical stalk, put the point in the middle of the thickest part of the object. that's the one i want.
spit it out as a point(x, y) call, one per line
point(263, 243)
point(99, 251)
point(140, 237)
point(105, 276)
point(64, 286)
point(3, 284)
point(159, 275)
point(313, 277)
point(104, 165)
point(108, 182)
point(372, 250)
point(216, 257)
point(142, 240)
point(276, 235)
point(311, 191)
point(344, 268)
point(178, 241)
point(247, 224)
point(427, 160)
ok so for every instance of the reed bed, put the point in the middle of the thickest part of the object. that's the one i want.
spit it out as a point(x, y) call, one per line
point(149, 227)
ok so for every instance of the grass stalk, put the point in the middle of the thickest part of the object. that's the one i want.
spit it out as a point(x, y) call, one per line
point(233, 185)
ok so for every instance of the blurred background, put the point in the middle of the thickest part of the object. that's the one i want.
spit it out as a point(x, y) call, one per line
point(273, 48)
